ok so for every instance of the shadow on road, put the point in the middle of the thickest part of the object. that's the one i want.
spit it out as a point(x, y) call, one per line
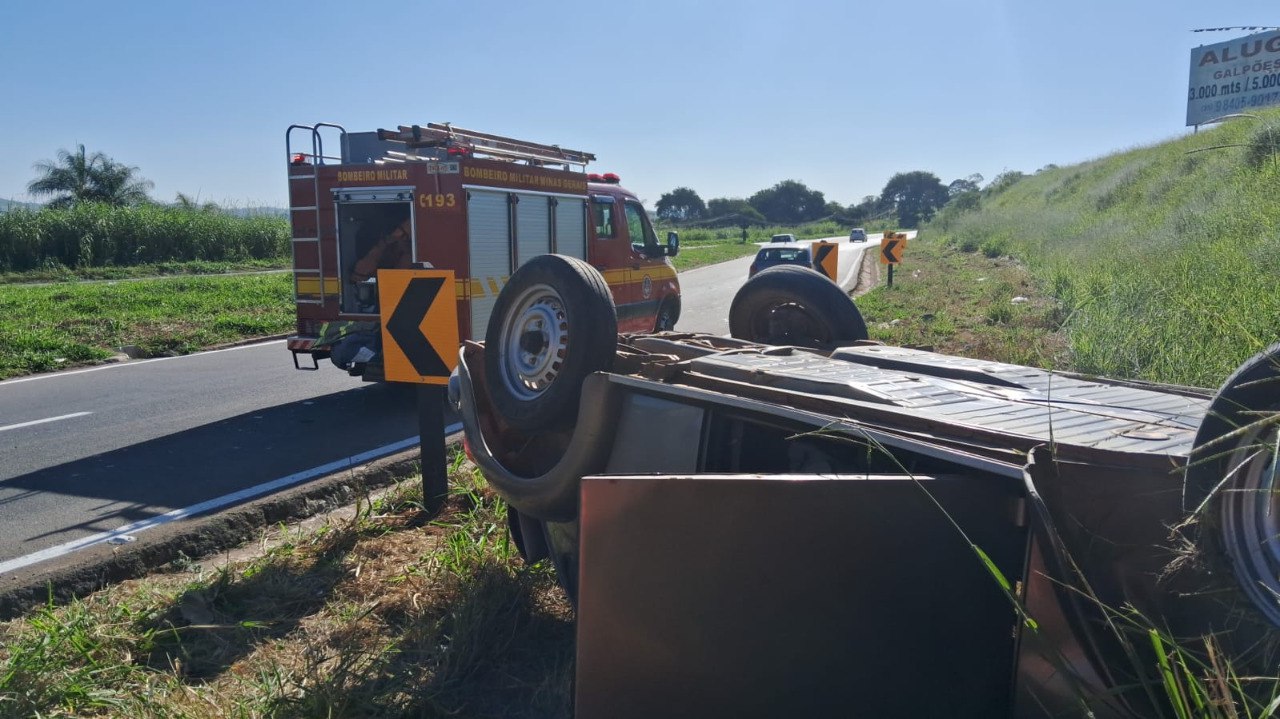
point(148, 479)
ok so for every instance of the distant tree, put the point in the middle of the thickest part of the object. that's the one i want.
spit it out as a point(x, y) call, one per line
point(972, 183)
point(966, 202)
point(187, 202)
point(751, 215)
point(721, 206)
point(680, 204)
point(915, 196)
point(81, 177)
point(1046, 168)
point(864, 210)
point(789, 202)
point(731, 212)
point(1003, 181)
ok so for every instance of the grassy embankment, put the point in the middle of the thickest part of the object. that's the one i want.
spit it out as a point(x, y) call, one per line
point(373, 615)
point(1164, 260)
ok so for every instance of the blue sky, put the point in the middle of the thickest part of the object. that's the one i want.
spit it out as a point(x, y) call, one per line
point(723, 97)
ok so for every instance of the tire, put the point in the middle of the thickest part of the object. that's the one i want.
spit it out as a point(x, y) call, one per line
point(668, 315)
point(553, 324)
point(792, 305)
point(1232, 480)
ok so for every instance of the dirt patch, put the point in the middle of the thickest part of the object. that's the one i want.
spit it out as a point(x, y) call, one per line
point(868, 274)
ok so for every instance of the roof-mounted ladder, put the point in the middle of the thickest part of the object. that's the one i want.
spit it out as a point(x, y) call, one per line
point(480, 143)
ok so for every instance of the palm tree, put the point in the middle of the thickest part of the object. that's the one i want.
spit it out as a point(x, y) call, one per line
point(81, 177)
point(188, 202)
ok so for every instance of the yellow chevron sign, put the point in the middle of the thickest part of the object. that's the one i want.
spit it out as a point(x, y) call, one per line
point(826, 259)
point(891, 247)
point(419, 325)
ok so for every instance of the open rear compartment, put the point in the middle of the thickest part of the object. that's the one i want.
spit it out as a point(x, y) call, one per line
point(365, 216)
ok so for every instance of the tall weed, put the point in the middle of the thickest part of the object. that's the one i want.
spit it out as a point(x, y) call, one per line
point(92, 235)
point(1164, 258)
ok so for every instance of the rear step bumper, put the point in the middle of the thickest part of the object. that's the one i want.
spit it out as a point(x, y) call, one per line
point(305, 345)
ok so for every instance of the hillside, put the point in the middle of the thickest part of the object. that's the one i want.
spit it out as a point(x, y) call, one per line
point(1165, 258)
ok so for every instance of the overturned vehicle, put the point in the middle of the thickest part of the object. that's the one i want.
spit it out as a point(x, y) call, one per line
point(795, 521)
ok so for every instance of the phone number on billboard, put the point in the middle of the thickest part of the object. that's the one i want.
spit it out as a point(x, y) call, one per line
point(1265, 99)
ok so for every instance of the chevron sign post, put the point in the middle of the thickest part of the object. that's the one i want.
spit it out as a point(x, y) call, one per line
point(420, 345)
point(891, 246)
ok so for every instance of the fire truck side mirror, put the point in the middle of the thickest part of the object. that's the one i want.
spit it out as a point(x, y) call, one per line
point(673, 244)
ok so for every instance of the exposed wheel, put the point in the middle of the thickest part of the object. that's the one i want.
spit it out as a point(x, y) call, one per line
point(792, 305)
point(668, 315)
point(553, 324)
point(1232, 476)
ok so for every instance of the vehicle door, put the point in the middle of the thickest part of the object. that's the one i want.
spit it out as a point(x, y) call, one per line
point(644, 271)
point(608, 251)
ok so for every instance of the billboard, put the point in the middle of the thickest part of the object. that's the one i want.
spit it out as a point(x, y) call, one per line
point(1234, 76)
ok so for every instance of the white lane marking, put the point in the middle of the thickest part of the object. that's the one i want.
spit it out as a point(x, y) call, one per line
point(132, 363)
point(42, 421)
point(212, 504)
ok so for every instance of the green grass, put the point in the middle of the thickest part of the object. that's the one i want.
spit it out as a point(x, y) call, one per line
point(48, 327)
point(92, 235)
point(366, 616)
point(61, 273)
point(1165, 258)
point(963, 303)
point(709, 253)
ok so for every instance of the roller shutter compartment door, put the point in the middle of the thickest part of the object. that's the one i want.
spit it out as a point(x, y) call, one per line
point(571, 227)
point(488, 233)
point(533, 227)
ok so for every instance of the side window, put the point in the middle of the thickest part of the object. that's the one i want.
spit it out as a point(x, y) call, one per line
point(602, 216)
point(638, 226)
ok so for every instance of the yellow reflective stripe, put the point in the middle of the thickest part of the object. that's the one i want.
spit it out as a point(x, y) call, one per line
point(466, 288)
point(314, 286)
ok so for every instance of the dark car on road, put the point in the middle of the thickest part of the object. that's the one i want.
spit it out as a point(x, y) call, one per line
point(788, 237)
point(773, 256)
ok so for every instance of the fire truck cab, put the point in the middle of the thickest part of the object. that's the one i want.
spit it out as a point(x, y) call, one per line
point(442, 197)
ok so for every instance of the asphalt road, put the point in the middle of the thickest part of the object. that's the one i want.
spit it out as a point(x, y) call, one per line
point(707, 292)
point(85, 453)
point(88, 451)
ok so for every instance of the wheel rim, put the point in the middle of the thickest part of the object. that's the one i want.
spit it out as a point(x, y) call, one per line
point(535, 338)
point(791, 324)
point(664, 318)
point(1251, 517)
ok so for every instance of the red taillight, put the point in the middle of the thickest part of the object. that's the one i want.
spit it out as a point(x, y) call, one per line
point(466, 449)
point(298, 159)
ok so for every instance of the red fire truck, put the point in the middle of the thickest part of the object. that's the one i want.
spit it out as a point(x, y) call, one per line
point(475, 203)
